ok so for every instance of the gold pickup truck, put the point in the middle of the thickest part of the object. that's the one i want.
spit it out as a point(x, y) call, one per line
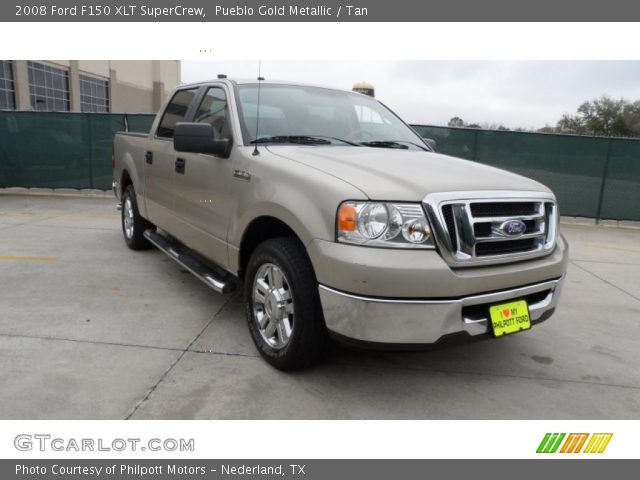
point(338, 220)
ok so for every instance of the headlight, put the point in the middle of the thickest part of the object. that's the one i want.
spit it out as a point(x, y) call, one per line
point(383, 224)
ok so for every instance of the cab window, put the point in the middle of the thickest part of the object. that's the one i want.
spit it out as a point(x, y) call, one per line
point(175, 112)
point(213, 110)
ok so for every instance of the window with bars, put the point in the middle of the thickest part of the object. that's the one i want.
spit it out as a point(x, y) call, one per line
point(48, 87)
point(94, 94)
point(7, 87)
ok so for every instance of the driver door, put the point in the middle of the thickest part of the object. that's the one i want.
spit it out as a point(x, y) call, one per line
point(203, 202)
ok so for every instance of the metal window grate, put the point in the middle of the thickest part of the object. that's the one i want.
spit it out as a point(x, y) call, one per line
point(48, 87)
point(94, 94)
point(7, 86)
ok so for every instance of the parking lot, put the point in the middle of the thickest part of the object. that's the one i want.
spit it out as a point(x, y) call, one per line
point(92, 330)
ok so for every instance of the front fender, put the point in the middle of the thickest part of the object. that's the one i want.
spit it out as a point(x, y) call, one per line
point(274, 210)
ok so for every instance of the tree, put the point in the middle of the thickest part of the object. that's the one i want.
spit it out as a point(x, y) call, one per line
point(456, 122)
point(603, 116)
point(547, 129)
point(632, 117)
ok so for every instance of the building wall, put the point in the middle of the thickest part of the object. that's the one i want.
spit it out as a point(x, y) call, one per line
point(135, 86)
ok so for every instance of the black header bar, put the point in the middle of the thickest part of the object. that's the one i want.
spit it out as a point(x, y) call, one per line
point(316, 469)
point(320, 11)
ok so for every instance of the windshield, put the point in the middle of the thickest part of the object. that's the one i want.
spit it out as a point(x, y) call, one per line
point(320, 116)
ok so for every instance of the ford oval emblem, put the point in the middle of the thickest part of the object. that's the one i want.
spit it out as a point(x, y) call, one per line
point(513, 228)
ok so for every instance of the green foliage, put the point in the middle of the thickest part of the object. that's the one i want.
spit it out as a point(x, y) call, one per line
point(603, 116)
point(456, 122)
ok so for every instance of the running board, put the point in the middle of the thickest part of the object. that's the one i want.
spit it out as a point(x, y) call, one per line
point(214, 277)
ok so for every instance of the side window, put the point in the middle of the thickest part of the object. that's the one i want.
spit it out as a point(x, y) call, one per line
point(175, 112)
point(213, 110)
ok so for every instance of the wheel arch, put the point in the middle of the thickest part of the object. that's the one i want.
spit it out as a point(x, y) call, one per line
point(125, 180)
point(259, 230)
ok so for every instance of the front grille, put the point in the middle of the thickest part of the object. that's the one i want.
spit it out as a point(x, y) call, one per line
point(486, 229)
point(507, 246)
point(503, 209)
point(447, 213)
point(482, 229)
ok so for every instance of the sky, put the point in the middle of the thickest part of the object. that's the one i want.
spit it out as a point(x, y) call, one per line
point(516, 94)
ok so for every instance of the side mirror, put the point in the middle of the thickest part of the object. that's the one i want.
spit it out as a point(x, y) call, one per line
point(198, 138)
point(431, 142)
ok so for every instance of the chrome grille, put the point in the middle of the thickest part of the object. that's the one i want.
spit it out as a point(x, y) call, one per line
point(503, 209)
point(505, 246)
point(447, 213)
point(471, 228)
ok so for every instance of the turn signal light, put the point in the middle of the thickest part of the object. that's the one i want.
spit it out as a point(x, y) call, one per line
point(347, 218)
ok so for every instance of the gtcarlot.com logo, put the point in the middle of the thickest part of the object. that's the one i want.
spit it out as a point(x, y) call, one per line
point(46, 443)
point(574, 443)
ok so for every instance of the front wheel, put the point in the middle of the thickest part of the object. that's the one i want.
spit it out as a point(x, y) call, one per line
point(283, 307)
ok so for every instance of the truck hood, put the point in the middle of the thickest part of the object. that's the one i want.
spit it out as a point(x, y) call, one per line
point(403, 175)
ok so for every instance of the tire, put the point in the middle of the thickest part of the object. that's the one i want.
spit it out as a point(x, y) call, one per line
point(281, 288)
point(133, 225)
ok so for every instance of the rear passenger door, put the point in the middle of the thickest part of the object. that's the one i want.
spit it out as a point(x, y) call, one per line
point(159, 161)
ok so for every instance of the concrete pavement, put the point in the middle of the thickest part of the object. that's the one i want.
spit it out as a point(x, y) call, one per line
point(92, 330)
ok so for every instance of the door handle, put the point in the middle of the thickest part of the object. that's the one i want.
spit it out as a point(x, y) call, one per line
point(180, 164)
point(148, 157)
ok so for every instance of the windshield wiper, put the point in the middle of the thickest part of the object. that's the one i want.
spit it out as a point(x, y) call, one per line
point(394, 144)
point(384, 144)
point(348, 142)
point(422, 147)
point(299, 139)
point(303, 140)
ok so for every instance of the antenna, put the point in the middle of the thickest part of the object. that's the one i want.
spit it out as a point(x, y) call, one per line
point(260, 79)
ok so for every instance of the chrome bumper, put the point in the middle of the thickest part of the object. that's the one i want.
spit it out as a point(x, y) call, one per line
point(390, 321)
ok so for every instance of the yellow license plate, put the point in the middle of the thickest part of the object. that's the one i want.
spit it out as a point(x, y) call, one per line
point(510, 317)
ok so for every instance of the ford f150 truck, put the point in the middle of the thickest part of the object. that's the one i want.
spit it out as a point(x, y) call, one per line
point(338, 220)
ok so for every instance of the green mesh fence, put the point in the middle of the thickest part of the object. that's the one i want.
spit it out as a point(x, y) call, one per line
point(56, 150)
point(591, 176)
point(621, 192)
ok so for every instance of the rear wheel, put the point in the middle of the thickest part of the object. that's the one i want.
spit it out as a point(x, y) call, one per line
point(283, 307)
point(133, 225)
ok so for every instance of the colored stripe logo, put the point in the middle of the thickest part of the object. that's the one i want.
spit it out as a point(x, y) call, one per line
point(574, 443)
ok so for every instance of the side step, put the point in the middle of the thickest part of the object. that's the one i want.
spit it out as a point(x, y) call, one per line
point(214, 277)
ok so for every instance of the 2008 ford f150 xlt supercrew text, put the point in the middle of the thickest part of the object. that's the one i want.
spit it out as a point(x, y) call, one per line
point(339, 220)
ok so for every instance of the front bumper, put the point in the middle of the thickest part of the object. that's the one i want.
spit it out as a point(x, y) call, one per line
point(406, 273)
point(420, 322)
